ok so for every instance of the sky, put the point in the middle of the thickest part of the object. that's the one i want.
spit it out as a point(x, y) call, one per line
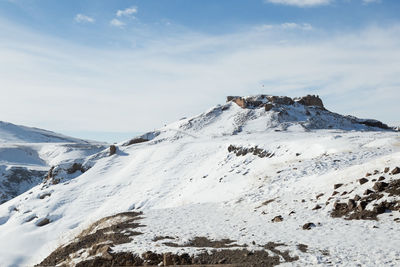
point(108, 70)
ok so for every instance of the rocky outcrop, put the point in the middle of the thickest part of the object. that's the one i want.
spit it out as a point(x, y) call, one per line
point(269, 101)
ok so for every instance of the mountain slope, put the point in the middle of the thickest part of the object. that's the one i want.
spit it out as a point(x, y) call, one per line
point(27, 154)
point(239, 178)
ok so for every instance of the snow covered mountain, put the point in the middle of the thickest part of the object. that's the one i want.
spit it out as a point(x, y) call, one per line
point(27, 154)
point(258, 181)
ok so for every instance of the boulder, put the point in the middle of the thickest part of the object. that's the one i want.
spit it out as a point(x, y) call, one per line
point(380, 186)
point(395, 171)
point(363, 180)
point(336, 186)
point(308, 226)
point(278, 218)
point(310, 100)
point(113, 150)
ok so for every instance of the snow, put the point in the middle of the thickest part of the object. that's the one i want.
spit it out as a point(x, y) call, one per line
point(187, 184)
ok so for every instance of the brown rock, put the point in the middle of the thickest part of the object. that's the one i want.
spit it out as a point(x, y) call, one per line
point(317, 207)
point(319, 195)
point(363, 180)
point(113, 150)
point(268, 106)
point(395, 171)
point(336, 186)
point(308, 226)
point(380, 186)
point(278, 218)
point(368, 191)
point(310, 100)
point(361, 206)
point(368, 174)
point(168, 259)
point(381, 178)
point(351, 204)
point(357, 198)
point(386, 170)
point(42, 222)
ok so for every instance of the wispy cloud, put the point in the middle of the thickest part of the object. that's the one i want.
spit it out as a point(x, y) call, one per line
point(300, 3)
point(187, 72)
point(117, 23)
point(80, 18)
point(371, 1)
point(287, 26)
point(127, 12)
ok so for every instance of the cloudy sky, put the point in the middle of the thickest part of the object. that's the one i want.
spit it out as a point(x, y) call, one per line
point(105, 70)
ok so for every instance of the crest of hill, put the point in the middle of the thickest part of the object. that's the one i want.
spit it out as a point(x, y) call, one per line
point(261, 113)
point(22, 134)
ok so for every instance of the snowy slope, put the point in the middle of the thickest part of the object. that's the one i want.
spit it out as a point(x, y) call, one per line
point(224, 174)
point(27, 154)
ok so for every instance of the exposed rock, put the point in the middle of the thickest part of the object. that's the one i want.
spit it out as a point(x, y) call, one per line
point(268, 106)
point(319, 195)
point(113, 150)
point(308, 226)
point(351, 204)
point(395, 171)
point(380, 186)
point(361, 206)
point(386, 170)
point(317, 207)
point(381, 178)
point(278, 218)
point(357, 198)
point(310, 100)
point(368, 191)
point(76, 167)
point(43, 222)
point(363, 180)
point(336, 186)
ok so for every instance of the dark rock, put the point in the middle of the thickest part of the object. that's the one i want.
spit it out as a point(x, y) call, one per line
point(367, 174)
point(379, 209)
point(308, 226)
point(381, 178)
point(336, 186)
point(339, 206)
point(357, 198)
point(335, 192)
point(386, 170)
point(278, 218)
point(363, 180)
point(268, 106)
point(317, 207)
point(42, 222)
point(319, 195)
point(380, 186)
point(310, 100)
point(113, 150)
point(368, 191)
point(351, 204)
point(395, 171)
point(361, 206)
point(76, 167)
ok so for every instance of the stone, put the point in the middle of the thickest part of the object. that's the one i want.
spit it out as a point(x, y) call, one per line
point(268, 106)
point(336, 186)
point(317, 207)
point(367, 174)
point(167, 259)
point(308, 226)
point(381, 178)
point(319, 195)
point(361, 206)
point(43, 222)
point(363, 180)
point(380, 186)
point(386, 170)
point(278, 218)
point(310, 100)
point(379, 209)
point(113, 150)
point(395, 171)
point(351, 204)
point(368, 191)
point(357, 198)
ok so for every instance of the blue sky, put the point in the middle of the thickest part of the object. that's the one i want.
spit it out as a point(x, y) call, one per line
point(93, 68)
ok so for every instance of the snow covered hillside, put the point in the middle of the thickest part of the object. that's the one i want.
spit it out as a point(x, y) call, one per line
point(258, 181)
point(27, 154)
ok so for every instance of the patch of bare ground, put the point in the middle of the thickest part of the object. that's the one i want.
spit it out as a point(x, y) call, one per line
point(97, 239)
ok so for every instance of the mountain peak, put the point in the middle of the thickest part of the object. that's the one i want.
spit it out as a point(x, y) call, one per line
point(269, 101)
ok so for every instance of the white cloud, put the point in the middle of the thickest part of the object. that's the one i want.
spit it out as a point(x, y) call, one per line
point(80, 18)
point(117, 23)
point(287, 26)
point(127, 12)
point(93, 89)
point(301, 3)
point(371, 1)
